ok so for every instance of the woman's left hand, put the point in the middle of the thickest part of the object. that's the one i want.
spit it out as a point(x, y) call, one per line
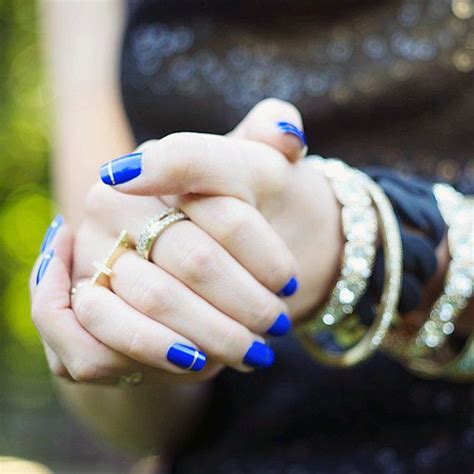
point(218, 181)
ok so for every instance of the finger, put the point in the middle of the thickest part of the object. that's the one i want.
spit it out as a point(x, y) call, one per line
point(129, 332)
point(193, 257)
point(184, 163)
point(237, 226)
point(55, 365)
point(276, 123)
point(85, 358)
point(247, 241)
point(154, 292)
point(244, 233)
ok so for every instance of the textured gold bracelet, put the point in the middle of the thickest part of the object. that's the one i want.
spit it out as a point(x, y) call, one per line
point(371, 338)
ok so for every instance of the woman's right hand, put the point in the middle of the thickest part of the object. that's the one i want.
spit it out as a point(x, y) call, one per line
point(192, 301)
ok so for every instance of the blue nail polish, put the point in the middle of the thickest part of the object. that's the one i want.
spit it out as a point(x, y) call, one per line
point(290, 288)
point(44, 265)
point(291, 129)
point(186, 357)
point(121, 169)
point(281, 326)
point(53, 228)
point(259, 356)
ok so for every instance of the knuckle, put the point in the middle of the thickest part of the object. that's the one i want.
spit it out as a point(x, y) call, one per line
point(200, 263)
point(154, 296)
point(231, 220)
point(182, 149)
point(83, 370)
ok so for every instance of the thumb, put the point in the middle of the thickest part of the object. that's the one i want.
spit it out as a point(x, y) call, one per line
point(276, 123)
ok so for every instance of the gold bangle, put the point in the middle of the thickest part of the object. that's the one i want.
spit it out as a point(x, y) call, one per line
point(372, 338)
point(104, 269)
point(359, 225)
point(428, 352)
point(155, 227)
point(461, 369)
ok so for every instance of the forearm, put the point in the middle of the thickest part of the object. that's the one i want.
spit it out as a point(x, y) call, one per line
point(89, 126)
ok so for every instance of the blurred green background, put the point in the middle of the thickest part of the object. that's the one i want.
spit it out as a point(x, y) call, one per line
point(32, 423)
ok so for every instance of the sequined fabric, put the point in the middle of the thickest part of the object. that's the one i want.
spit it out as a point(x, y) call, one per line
point(378, 82)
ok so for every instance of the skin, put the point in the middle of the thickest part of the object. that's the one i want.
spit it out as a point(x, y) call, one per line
point(224, 266)
point(290, 206)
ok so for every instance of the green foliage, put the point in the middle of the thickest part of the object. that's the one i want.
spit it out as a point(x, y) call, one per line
point(25, 208)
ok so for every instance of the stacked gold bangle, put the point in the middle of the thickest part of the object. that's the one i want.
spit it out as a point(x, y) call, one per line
point(429, 352)
point(314, 334)
point(359, 225)
point(335, 336)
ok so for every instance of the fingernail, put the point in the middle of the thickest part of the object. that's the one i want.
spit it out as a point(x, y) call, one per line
point(44, 265)
point(289, 128)
point(186, 357)
point(259, 356)
point(53, 228)
point(290, 288)
point(121, 169)
point(281, 326)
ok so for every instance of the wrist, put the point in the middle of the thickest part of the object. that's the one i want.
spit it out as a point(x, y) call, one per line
point(320, 256)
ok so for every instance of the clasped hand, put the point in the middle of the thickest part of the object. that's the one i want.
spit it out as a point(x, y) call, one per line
point(260, 223)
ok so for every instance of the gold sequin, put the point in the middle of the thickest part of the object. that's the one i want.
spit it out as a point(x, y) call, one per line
point(463, 61)
point(463, 9)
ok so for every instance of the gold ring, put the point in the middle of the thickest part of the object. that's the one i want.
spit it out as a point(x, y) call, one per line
point(104, 269)
point(155, 227)
point(133, 379)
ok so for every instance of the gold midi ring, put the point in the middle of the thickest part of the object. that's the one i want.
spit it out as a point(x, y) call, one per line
point(104, 269)
point(155, 227)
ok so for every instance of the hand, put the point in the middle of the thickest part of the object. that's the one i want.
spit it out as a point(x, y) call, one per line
point(110, 354)
point(110, 362)
point(208, 175)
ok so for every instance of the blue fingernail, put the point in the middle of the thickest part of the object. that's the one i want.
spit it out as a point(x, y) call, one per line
point(186, 357)
point(290, 288)
point(44, 265)
point(53, 228)
point(259, 356)
point(287, 127)
point(281, 326)
point(121, 169)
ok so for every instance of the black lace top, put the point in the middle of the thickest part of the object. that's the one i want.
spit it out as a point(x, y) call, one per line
point(378, 82)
